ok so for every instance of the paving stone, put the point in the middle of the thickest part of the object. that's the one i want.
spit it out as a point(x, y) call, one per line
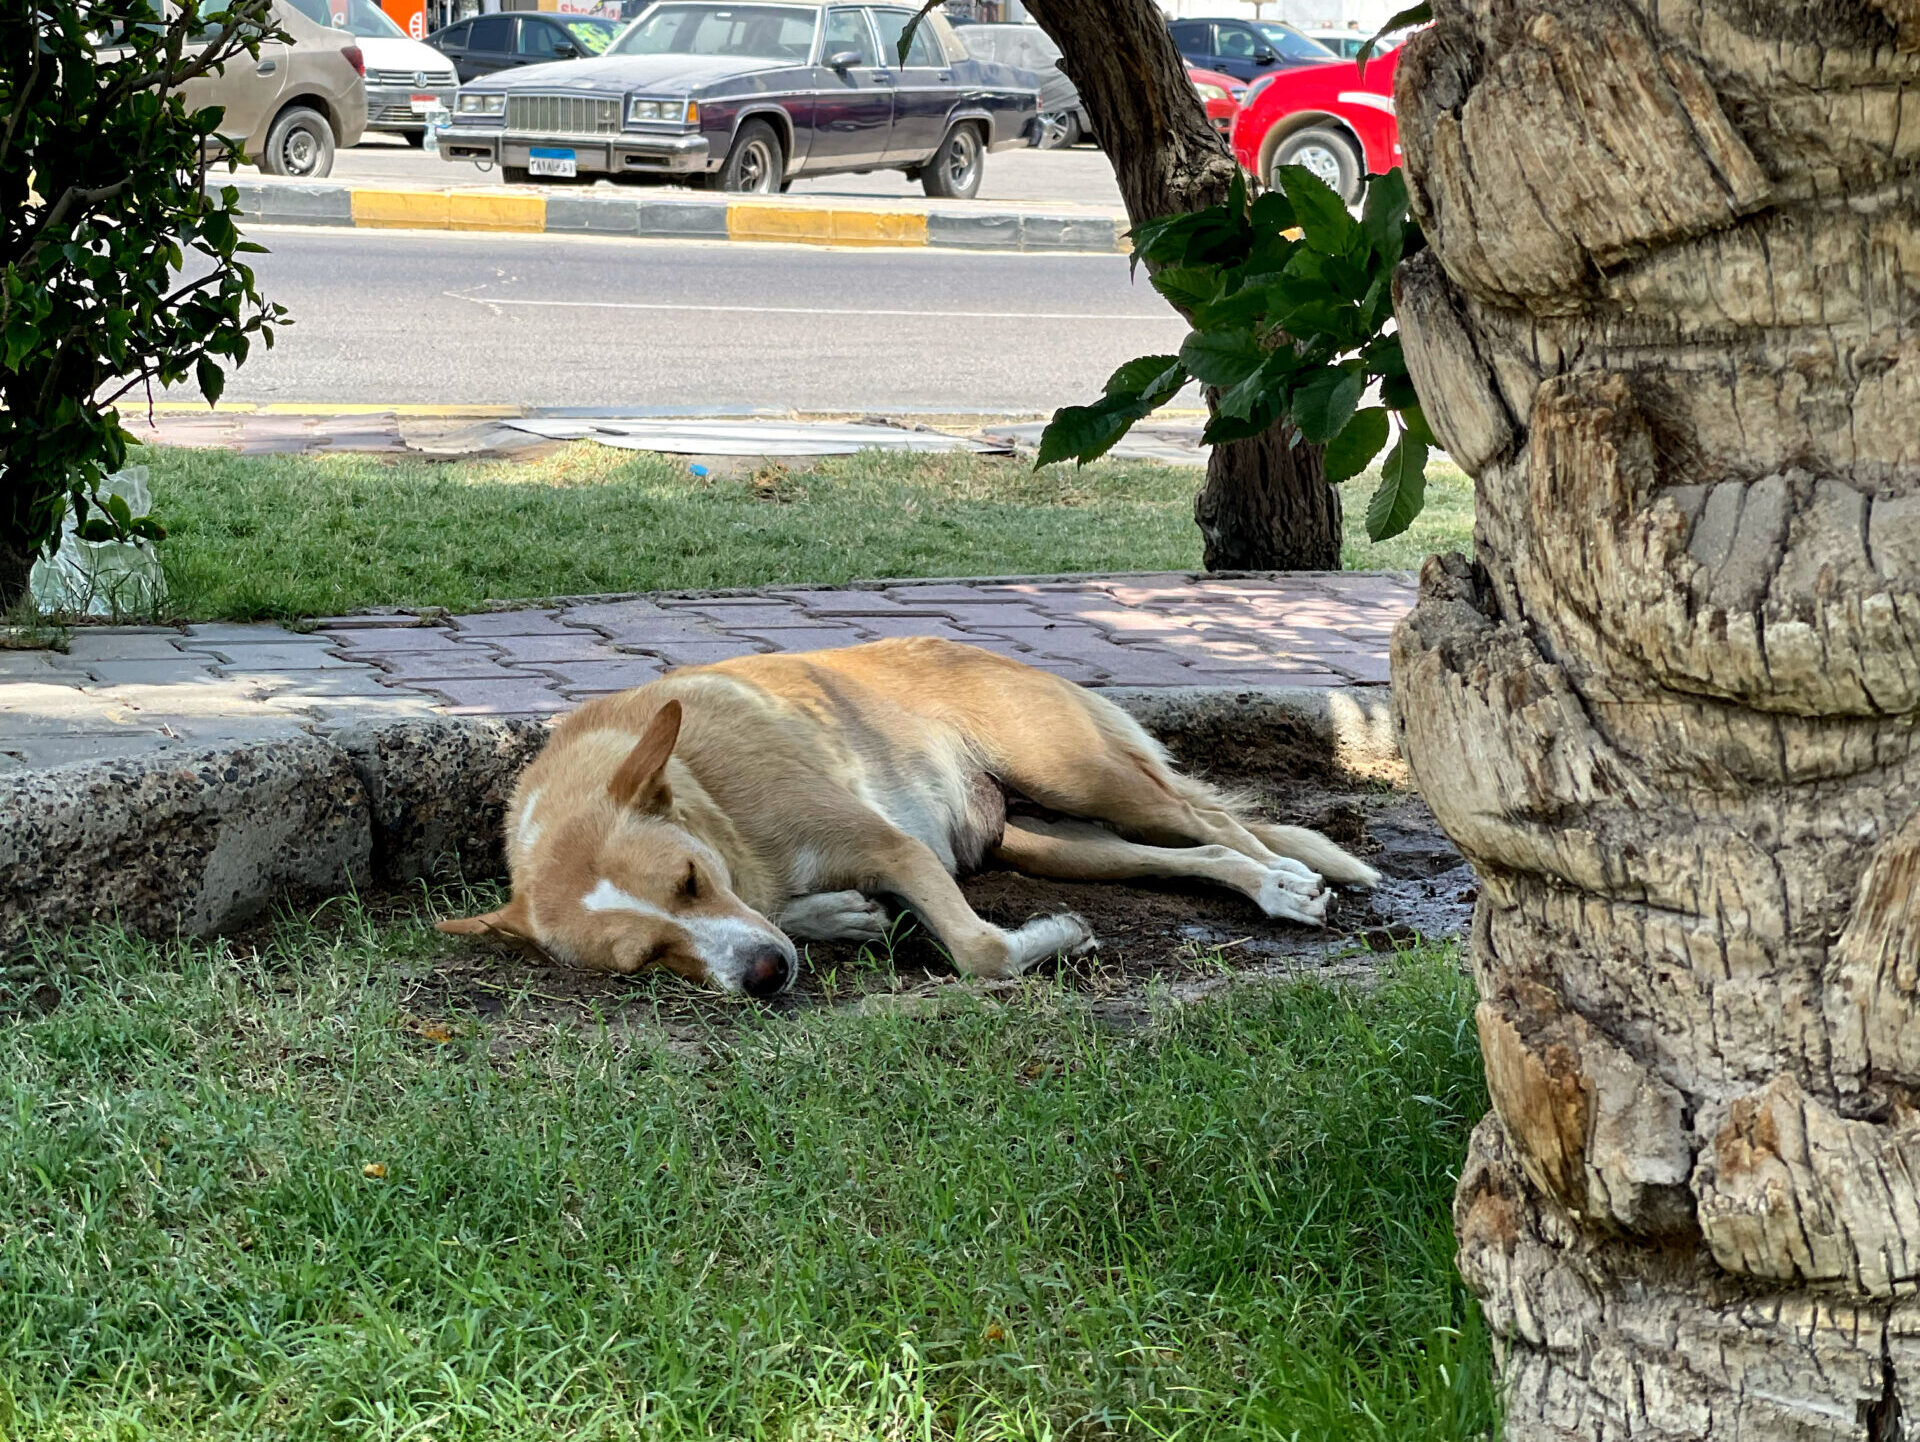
point(611, 613)
point(569, 644)
point(804, 638)
point(850, 603)
point(695, 653)
point(467, 663)
point(281, 656)
point(359, 681)
point(989, 615)
point(402, 638)
point(731, 617)
point(119, 644)
point(215, 633)
point(514, 623)
point(372, 622)
point(944, 594)
point(524, 695)
point(882, 626)
point(619, 674)
point(21, 666)
point(183, 669)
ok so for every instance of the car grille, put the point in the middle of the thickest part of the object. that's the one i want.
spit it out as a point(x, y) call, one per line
point(562, 115)
point(405, 77)
point(393, 115)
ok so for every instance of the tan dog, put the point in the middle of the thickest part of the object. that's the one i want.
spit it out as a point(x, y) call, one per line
point(707, 821)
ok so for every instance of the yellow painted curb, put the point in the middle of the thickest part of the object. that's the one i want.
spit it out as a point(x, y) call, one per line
point(299, 408)
point(401, 209)
point(484, 210)
point(195, 408)
point(800, 225)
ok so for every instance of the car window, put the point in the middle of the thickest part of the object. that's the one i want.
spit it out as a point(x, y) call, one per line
point(454, 35)
point(492, 32)
point(1190, 36)
point(590, 37)
point(892, 24)
point(847, 31)
point(318, 11)
point(1291, 43)
point(537, 38)
point(1027, 46)
point(775, 32)
point(363, 17)
point(1237, 43)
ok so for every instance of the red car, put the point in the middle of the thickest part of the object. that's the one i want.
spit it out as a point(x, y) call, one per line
point(1221, 94)
point(1329, 118)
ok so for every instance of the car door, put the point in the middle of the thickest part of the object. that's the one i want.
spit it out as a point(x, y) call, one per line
point(854, 109)
point(924, 92)
point(247, 88)
point(542, 41)
point(1194, 40)
point(452, 43)
point(489, 47)
point(1241, 51)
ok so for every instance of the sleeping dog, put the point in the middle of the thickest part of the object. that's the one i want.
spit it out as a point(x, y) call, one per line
point(708, 821)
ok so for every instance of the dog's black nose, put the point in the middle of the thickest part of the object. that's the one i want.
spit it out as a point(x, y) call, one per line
point(766, 973)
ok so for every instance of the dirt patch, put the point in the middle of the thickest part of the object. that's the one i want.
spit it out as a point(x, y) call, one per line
point(1174, 934)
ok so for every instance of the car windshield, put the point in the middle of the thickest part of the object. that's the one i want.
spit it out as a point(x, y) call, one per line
point(1027, 46)
point(363, 17)
point(592, 36)
point(1291, 44)
point(774, 32)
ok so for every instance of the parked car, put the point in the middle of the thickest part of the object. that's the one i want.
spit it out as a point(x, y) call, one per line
point(1343, 41)
point(406, 80)
point(293, 105)
point(1221, 94)
point(1329, 118)
point(747, 97)
point(488, 44)
point(1063, 115)
point(1246, 49)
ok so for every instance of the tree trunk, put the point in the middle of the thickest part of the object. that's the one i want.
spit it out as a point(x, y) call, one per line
point(1266, 505)
point(1668, 708)
point(16, 571)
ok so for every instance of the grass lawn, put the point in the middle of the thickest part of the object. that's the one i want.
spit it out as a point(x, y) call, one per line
point(284, 537)
point(244, 1196)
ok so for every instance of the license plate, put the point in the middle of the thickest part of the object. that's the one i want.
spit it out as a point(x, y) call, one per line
point(423, 103)
point(551, 162)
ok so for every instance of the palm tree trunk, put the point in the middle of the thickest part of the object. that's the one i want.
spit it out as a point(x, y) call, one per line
point(1266, 505)
point(1668, 707)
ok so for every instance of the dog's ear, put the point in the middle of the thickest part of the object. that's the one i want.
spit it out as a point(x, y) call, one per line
point(641, 781)
point(510, 921)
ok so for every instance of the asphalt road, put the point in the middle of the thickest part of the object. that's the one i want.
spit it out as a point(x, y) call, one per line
point(390, 317)
point(1058, 178)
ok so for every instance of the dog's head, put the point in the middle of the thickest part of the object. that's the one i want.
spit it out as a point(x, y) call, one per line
point(615, 884)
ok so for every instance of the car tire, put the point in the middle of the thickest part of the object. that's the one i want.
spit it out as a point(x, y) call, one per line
point(1059, 131)
point(300, 143)
point(1328, 154)
point(755, 164)
point(955, 170)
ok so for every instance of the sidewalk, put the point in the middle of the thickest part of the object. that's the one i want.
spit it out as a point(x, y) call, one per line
point(147, 691)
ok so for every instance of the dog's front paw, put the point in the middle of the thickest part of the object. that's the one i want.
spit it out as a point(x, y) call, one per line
point(1293, 893)
point(835, 916)
point(1065, 934)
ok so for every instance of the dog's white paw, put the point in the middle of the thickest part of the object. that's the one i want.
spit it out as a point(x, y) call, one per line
point(834, 916)
point(1292, 892)
point(1063, 935)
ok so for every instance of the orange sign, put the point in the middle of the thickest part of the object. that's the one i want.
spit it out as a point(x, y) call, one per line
point(409, 15)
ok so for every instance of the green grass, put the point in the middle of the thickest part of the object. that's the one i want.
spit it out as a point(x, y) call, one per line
point(283, 537)
point(1231, 1222)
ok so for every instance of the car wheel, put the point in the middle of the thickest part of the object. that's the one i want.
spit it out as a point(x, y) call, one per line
point(1327, 154)
point(299, 144)
point(954, 172)
point(756, 164)
point(1059, 131)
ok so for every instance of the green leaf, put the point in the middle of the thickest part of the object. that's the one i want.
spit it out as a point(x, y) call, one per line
point(1085, 433)
point(1136, 376)
point(1273, 211)
point(1397, 393)
point(212, 379)
point(1222, 357)
point(1383, 215)
point(906, 35)
point(1324, 402)
point(1350, 452)
point(1403, 490)
point(1188, 287)
point(1323, 217)
point(1413, 421)
point(1240, 401)
point(1421, 14)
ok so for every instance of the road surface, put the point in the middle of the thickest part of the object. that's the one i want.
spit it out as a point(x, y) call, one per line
point(446, 318)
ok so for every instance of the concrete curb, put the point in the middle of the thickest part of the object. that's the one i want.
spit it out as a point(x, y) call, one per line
point(654, 218)
point(200, 843)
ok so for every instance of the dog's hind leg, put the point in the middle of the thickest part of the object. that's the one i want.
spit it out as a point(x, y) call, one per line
point(1082, 851)
point(908, 869)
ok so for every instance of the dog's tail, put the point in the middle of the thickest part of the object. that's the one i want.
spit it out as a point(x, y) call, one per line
point(1305, 846)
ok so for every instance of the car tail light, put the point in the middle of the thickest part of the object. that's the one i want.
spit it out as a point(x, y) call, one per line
point(354, 58)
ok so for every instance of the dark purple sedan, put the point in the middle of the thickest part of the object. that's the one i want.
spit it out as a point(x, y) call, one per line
point(749, 97)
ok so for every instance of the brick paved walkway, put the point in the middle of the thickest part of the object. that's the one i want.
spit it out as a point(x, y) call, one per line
point(126, 690)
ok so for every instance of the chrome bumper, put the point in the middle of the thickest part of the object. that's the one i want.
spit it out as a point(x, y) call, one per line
point(390, 107)
point(593, 154)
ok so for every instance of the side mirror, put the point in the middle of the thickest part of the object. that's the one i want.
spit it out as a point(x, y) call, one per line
point(1264, 57)
point(564, 51)
point(844, 59)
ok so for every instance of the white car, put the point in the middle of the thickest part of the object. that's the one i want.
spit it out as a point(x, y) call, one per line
point(1346, 41)
point(406, 80)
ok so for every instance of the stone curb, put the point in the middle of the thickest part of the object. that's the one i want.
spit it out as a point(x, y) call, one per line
point(202, 842)
point(652, 218)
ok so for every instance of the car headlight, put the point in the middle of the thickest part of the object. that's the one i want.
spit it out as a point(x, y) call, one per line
point(672, 111)
point(480, 104)
point(1237, 94)
point(1213, 92)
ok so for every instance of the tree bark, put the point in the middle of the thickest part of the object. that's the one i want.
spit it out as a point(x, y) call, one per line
point(1266, 505)
point(1668, 708)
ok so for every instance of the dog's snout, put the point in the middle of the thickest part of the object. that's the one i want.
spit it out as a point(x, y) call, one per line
point(767, 973)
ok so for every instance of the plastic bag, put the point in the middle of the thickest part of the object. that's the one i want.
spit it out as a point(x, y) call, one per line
point(103, 578)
